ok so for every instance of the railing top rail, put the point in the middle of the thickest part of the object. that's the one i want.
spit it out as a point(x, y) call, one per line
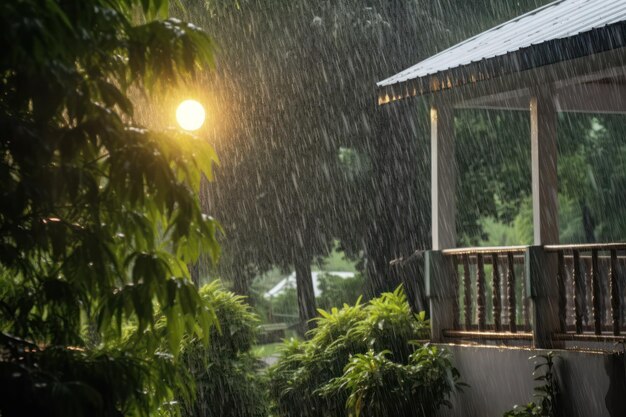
point(586, 247)
point(490, 250)
point(472, 334)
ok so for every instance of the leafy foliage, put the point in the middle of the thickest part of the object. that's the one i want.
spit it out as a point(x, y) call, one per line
point(494, 165)
point(57, 381)
point(349, 170)
point(224, 372)
point(99, 216)
point(378, 386)
point(546, 394)
point(591, 172)
point(351, 352)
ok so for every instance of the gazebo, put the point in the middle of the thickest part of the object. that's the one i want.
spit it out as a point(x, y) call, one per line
point(568, 56)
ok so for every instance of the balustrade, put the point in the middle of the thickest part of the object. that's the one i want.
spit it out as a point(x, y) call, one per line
point(487, 293)
point(492, 289)
point(594, 303)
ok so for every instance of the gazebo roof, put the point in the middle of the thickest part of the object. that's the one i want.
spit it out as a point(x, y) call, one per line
point(559, 31)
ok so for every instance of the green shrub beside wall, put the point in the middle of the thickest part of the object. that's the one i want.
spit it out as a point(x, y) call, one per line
point(363, 360)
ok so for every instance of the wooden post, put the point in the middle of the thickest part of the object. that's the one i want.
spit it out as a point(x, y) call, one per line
point(544, 169)
point(541, 267)
point(443, 176)
point(440, 276)
point(542, 284)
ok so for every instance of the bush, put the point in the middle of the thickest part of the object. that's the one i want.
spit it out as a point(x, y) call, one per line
point(335, 291)
point(227, 383)
point(363, 357)
point(377, 386)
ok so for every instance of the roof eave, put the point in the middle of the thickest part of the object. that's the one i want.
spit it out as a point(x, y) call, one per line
point(554, 51)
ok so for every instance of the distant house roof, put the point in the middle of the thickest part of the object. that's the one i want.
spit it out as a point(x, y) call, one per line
point(290, 282)
point(559, 31)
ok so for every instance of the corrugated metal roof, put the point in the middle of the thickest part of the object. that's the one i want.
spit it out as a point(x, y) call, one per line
point(559, 20)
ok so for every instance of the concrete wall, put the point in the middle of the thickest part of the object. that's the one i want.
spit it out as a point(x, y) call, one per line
point(592, 384)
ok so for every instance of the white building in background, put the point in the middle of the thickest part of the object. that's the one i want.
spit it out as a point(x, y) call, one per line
point(290, 282)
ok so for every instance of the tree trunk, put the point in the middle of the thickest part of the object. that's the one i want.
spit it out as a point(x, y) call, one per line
point(377, 274)
point(306, 296)
point(588, 223)
point(241, 281)
point(394, 224)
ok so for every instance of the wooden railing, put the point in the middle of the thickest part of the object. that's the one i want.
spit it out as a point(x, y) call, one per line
point(591, 289)
point(489, 289)
point(546, 294)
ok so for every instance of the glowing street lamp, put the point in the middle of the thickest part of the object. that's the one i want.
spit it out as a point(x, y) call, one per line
point(190, 115)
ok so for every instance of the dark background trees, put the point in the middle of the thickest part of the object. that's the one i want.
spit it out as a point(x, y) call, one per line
point(308, 157)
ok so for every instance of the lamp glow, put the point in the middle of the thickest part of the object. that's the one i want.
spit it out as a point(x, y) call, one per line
point(190, 115)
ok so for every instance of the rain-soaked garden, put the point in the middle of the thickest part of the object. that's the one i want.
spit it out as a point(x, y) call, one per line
point(313, 208)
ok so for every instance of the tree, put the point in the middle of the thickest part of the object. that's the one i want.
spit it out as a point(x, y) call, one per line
point(592, 177)
point(493, 156)
point(300, 103)
point(310, 157)
point(396, 191)
point(99, 215)
point(275, 168)
point(495, 175)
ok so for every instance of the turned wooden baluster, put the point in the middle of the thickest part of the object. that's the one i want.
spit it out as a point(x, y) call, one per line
point(480, 284)
point(588, 288)
point(595, 293)
point(455, 300)
point(615, 298)
point(569, 289)
point(578, 293)
point(510, 290)
point(525, 301)
point(561, 289)
point(497, 300)
point(467, 285)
